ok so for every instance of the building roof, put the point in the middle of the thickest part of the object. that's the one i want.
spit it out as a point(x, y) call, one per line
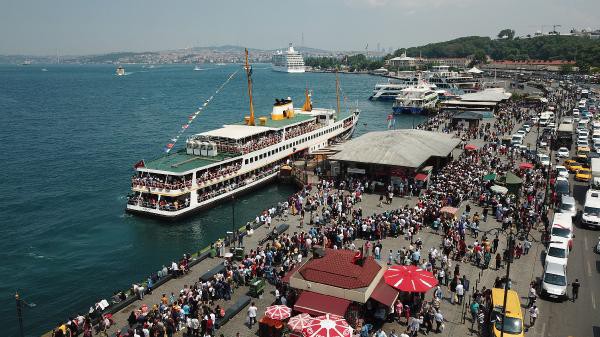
point(337, 268)
point(406, 148)
point(180, 162)
point(487, 95)
point(236, 131)
point(454, 102)
point(318, 304)
point(535, 62)
point(468, 115)
point(384, 293)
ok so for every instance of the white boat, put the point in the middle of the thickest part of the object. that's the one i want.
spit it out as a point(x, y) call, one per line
point(197, 68)
point(388, 91)
point(218, 164)
point(289, 61)
point(44, 69)
point(416, 99)
point(120, 71)
point(443, 78)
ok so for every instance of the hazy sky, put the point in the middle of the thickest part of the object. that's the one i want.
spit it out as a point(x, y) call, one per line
point(94, 26)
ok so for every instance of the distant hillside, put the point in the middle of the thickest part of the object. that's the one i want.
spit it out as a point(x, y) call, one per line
point(580, 49)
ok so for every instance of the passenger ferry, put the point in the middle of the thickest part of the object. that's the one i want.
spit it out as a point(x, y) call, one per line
point(394, 86)
point(218, 164)
point(289, 61)
point(416, 100)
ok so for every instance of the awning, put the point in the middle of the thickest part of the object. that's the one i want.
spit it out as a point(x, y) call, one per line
point(317, 304)
point(384, 293)
point(421, 177)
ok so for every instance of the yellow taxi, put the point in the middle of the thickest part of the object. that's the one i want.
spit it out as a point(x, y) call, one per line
point(583, 151)
point(583, 174)
point(572, 165)
point(509, 323)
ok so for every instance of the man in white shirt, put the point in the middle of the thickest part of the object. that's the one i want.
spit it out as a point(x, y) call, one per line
point(252, 310)
point(460, 292)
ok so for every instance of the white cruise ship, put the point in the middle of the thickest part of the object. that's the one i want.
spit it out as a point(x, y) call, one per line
point(218, 164)
point(416, 100)
point(289, 61)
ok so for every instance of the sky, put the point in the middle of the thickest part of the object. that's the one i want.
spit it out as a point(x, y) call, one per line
point(78, 27)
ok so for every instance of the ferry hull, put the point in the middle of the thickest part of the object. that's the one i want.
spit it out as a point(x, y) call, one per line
point(408, 110)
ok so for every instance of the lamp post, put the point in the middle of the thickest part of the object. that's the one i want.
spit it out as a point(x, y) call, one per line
point(20, 303)
point(19, 314)
point(232, 243)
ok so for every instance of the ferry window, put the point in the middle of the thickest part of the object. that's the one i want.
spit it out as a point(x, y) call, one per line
point(246, 161)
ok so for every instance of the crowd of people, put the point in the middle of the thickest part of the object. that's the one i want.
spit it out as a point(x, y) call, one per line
point(218, 172)
point(298, 130)
point(160, 181)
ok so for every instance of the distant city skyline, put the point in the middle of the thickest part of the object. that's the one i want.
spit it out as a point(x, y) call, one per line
point(72, 27)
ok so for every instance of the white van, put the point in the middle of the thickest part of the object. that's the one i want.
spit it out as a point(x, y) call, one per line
point(591, 209)
point(517, 139)
point(562, 229)
point(554, 281)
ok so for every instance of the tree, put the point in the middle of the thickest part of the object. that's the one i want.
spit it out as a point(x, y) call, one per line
point(566, 69)
point(584, 67)
point(506, 33)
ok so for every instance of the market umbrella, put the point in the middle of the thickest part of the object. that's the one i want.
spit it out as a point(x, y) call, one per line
point(279, 312)
point(470, 147)
point(328, 325)
point(499, 189)
point(298, 322)
point(410, 279)
point(526, 166)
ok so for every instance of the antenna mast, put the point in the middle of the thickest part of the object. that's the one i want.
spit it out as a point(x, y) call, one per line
point(337, 91)
point(249, 75)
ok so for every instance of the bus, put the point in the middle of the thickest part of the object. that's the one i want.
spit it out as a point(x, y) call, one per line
point(513, 322)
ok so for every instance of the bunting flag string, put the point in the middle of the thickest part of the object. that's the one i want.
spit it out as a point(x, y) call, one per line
point(193, 116)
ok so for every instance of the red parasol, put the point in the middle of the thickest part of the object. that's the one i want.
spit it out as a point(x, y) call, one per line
point(298, 322)
point(526, 166)
point(328, 325)
point(410, 279)
point(279, 312)
point(470, 147)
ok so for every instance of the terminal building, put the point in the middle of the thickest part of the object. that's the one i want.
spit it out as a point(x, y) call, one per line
point(387, 156)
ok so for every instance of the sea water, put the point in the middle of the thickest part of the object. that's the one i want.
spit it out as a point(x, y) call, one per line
point(70, 136)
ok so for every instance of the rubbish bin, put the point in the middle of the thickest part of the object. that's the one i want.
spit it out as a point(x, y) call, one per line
point(238, 253)
point(213, 252)
point(257, 287)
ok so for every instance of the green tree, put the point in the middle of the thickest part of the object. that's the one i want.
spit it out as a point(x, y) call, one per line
point(506, 34)
point(566, 69)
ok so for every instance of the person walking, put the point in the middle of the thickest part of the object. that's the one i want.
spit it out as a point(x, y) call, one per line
point(439, 321)
point(575, 285)
point(252, 310)
point(533, 314)
point(532, 295)
point(460, 292)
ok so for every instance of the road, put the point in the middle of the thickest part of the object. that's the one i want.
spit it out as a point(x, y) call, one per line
point(582, 317)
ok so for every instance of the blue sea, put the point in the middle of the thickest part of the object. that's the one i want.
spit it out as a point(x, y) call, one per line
point(70, 136)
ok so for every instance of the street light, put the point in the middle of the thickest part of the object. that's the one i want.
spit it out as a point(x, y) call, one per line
point(20, 303)
point(232, 242)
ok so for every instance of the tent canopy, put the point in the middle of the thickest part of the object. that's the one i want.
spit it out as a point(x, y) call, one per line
point(475, 70)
